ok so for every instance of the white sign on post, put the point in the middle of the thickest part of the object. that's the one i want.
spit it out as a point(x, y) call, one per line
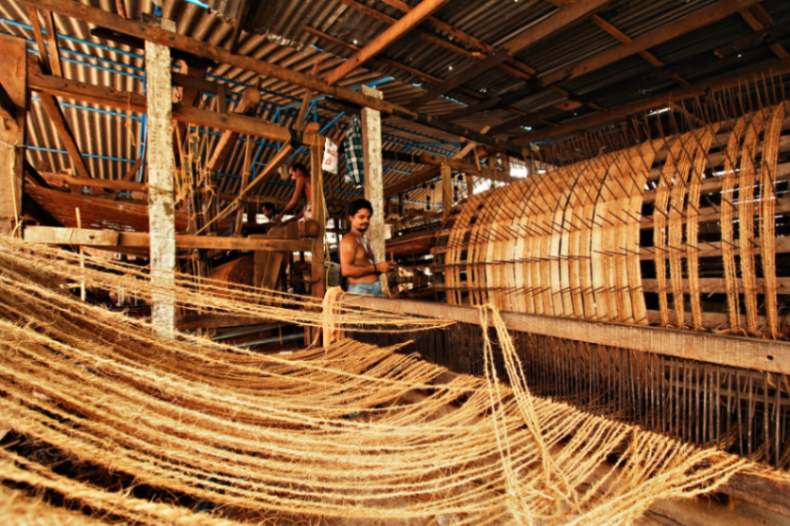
point(330, 157)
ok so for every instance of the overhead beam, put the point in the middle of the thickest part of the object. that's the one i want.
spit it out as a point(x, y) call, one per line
point(696, 20)
point(397, 30)
point(776, 67)
point(750, 17)
point(153, 33)
point(128, 101)
point(453, 162)
point(407, 183)
point(560, 19)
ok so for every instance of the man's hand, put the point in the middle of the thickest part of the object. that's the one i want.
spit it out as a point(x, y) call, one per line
point(384, 266)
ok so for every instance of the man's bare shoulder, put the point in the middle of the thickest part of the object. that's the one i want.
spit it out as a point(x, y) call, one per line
point(348, 239)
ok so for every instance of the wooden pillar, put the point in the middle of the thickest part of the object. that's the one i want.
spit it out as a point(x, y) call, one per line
point(470, 184)
point(161, 164)
point(374, 175)
point(318, 208)
point(12, 130)
point(447, 189)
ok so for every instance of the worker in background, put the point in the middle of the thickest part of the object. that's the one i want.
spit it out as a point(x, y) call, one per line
point(301, 178)
point(357, 264)
point(269, 211)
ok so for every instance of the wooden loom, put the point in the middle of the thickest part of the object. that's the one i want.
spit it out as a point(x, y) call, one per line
point(649, 284)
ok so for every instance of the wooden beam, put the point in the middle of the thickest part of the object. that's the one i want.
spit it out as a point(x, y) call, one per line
point(161, 166)
point(560, 19)
point(317, 208)
point(733, 351)
point(453, 162)
point(696, 90)
point(696, 20)
point(62, 128)
point(413, 180)
point(702, 17)
point(110, 184)
point(749, 16)
point(649, 57)
point(447, 190)
point(113, 238)
point(397, 30)
point(53, 52)
point(153, 33)
point(249, 100)
point(127, 101)
point(374, 177)
point(12, 131)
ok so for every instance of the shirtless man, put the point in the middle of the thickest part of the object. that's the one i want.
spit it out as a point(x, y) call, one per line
point(301, 179)
point(356, 257)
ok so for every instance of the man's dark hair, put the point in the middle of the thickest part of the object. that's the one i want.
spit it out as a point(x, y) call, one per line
point(358, 204)
point(269, 206)
point(299, 167)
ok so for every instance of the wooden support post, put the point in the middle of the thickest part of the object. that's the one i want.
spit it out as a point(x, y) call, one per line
point(318, 210)
point(374, 175)
point(12, 132)
point(447, 190)
point(470, 185)
point(161, 163)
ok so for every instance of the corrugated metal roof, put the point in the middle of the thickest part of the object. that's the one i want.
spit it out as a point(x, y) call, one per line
point(110, 140)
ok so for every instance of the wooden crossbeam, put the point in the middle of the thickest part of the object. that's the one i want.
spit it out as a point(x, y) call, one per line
point(696, 20)
point(691, 22)
point(562, 18)
point(49, 61)
point(413, 180)
point(776, 67)
point(249, 99)
point(397, 30)
point(128, 101)
point(62, 128)
point(112, 238)
point(750, 17)
point(151, 32)
point(453, 162)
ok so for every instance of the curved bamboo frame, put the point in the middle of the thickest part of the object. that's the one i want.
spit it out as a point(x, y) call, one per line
point(576, 241)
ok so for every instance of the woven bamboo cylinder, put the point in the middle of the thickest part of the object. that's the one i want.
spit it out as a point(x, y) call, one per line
point(683, 231)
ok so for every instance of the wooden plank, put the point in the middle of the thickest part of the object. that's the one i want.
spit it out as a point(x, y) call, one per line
point(71, 236)
point(374, 176)
point(109, 184)
point(161, 166)
point(97, 212)
point(112, 238)
point(12, 131)
point(733, 351)
point(394, 32)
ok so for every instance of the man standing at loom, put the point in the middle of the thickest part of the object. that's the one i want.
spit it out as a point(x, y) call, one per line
point(356, 256)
